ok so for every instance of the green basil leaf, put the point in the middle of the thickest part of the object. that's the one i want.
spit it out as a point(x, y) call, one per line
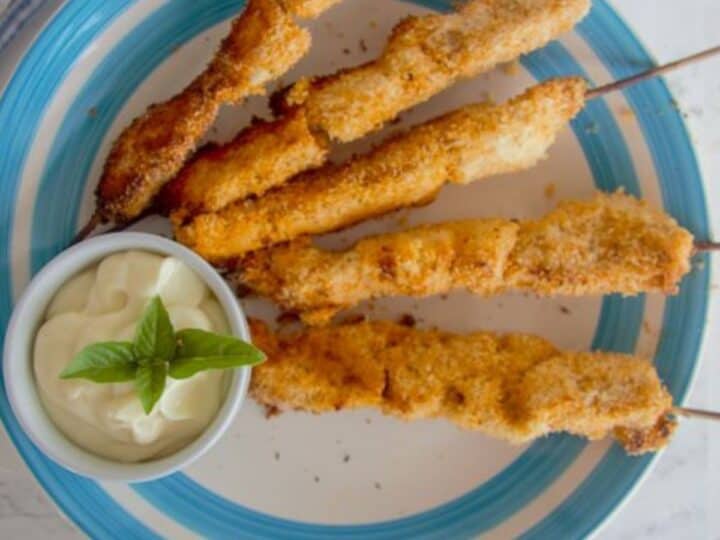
point(107, 362)
point(154, 336)
point(187, 367)
point(150, 382)
point(198, 350)
point(194, 342)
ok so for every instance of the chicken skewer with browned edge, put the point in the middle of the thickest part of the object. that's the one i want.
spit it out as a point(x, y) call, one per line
point(424, 55)
point(474, 142)
point(468, 144)
point(514, 387)
point(264, 43)
point(611, 244)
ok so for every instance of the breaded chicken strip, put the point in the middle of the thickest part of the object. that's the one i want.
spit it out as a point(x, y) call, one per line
point(263, 153)
point(514, 387)
point(611, 244)
point(264, 43)
point(424, 56)
point(473, 142)
point(308, 9)
point(426, 260)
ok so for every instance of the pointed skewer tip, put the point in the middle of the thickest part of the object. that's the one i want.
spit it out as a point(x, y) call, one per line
point(696, 413)
point(703, 247)
point(88, 228)
point(652, 72)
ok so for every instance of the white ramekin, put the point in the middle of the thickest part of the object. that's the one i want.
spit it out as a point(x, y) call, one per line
point(18, 370)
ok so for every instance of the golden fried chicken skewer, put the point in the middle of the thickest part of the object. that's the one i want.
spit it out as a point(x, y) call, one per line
point(468, 144)
point(269, 153)
point(514, 387)
point(424, 55)
point(264, 43)
point(260, 157)
point(611, 244)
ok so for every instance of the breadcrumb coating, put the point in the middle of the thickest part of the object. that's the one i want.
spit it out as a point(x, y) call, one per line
point(424, 56)
point(471, 143)
point(258, 159)
point(264, 43)
point(611, 244)
point(513, 387)
point(308, 9)
point(426, 260)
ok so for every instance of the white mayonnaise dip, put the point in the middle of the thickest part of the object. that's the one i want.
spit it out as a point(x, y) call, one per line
point(105, 303)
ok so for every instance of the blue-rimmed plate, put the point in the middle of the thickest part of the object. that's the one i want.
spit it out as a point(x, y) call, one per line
point(97, 64)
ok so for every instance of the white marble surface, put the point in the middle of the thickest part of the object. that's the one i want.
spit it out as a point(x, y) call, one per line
point(675, 501)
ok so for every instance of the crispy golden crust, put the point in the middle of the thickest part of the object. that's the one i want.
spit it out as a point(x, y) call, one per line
point(422, 261)
point(639, 441)
point(514, 387)
point(308, 9)
point(425, 55)
point(151, 150)
point(612, 244)
point(450, 41)
point(488, 140)
point(264, 42)
point(259, 158)
point(615, 243)
point(468, 144)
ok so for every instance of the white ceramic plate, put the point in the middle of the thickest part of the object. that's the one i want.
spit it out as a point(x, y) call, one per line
point(98, 64)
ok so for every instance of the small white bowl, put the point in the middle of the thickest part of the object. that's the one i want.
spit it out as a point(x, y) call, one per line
point(20, 383)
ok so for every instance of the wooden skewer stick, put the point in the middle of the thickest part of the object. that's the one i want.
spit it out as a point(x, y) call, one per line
point(653, 72)
point(702, 247)
point(95, 221)
point(696, 413)
point(88, 228)
point(127, 224)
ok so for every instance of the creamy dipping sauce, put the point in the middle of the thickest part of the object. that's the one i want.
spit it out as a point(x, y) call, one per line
point(105, 303)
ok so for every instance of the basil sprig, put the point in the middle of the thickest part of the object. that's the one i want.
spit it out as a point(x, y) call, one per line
point(158, 351)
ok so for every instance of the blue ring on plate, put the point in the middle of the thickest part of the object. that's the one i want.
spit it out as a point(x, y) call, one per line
point(685, 314)
point(10, 420)
point(22, 106)
point(202, 510)
point(93, 111)
point(514, 487)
